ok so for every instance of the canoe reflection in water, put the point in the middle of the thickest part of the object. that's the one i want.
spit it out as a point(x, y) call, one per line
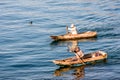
point(67, 42)
point(78, 72)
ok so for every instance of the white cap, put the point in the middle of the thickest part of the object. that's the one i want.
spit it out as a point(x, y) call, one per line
point(72, 25)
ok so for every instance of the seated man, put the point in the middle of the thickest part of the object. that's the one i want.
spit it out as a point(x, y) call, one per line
point(73, 29)
point(79, 54)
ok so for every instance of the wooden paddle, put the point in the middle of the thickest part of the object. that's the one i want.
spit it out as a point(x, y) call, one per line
point(67, 30)
point(80, 59)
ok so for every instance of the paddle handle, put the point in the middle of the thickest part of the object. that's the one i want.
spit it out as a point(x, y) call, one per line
point(67, 29)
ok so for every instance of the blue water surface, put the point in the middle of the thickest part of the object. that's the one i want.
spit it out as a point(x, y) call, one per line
point(27, 51)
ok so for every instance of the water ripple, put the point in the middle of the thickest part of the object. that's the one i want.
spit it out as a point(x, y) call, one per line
point(27, 51)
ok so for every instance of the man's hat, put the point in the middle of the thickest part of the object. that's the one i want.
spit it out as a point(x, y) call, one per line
point(72, 25)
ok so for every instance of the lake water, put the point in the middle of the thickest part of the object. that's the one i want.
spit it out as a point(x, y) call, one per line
point(27, 51)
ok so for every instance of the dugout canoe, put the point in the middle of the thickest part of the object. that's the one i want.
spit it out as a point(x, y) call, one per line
point(68, 36)
point(90, 57)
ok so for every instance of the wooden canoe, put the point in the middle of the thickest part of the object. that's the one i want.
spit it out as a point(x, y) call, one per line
point(94, 56)
point(84, 35)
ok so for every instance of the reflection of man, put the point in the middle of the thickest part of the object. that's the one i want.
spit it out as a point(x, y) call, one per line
point(77, 72)
point(73, 45)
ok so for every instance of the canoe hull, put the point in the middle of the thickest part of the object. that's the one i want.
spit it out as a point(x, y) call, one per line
point(95, 56)
point(84, 35)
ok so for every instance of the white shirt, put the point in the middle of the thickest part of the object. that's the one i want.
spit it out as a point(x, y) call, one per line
point(73, 30)
point(80, 53)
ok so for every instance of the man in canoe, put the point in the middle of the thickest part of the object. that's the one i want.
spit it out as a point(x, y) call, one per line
point(78, 53)
point(73, 29)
